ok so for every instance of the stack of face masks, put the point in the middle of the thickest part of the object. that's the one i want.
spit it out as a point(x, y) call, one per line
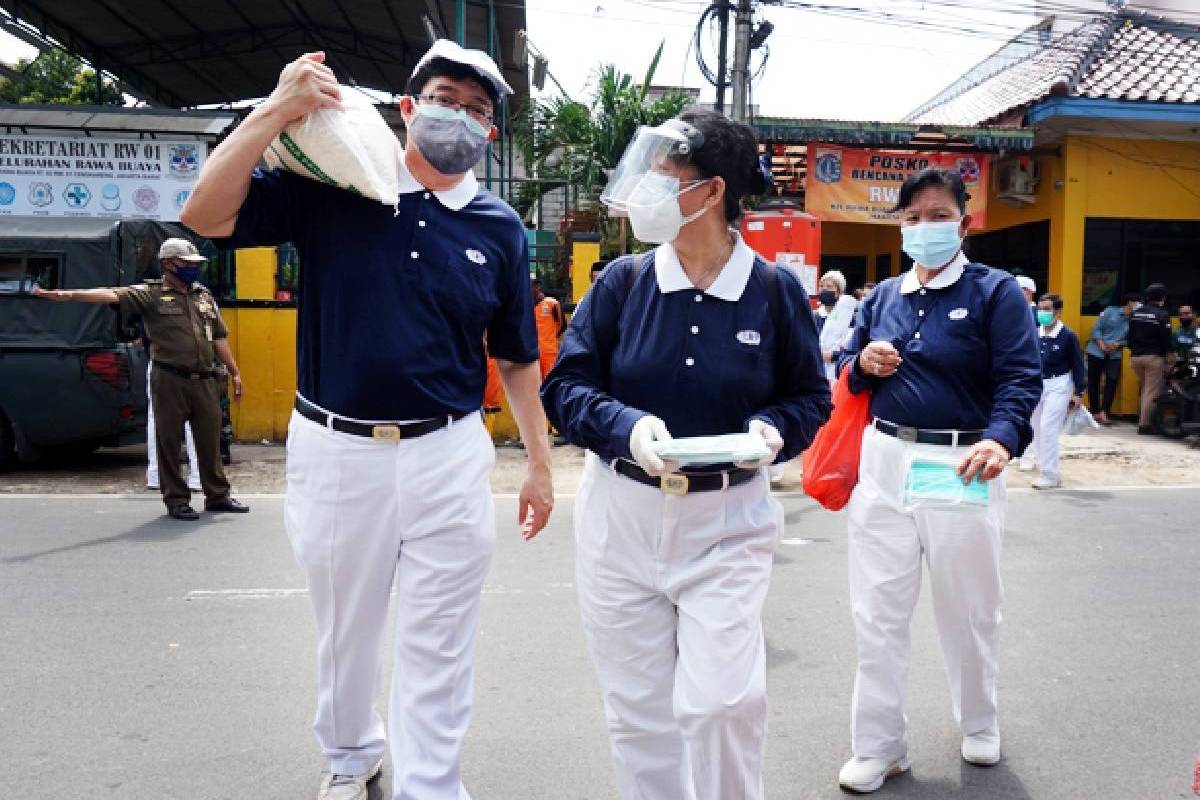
point(930, 483)
point(730, 448)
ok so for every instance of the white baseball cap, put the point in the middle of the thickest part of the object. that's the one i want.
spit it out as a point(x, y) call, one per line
point(181, 249)
point(1026, 283)
point(477, 60)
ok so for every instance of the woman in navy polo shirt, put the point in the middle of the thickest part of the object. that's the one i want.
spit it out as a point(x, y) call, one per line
point(951, 362)
point(1063, 384)
point(698, 337)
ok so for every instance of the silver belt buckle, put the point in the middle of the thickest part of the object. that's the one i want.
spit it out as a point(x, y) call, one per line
point(906, 434)
point(674, 484)
point(385, 433)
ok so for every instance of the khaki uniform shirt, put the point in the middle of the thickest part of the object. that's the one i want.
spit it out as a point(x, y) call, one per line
point(182, 325)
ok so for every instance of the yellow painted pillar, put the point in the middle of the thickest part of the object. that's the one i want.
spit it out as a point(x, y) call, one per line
point(583, 255)
point(256, 273)
point(1067, 216)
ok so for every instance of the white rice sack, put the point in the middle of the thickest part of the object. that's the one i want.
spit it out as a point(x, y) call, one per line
point(353, 149)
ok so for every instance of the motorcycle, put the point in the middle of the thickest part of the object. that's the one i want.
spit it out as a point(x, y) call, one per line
point(1177, 412)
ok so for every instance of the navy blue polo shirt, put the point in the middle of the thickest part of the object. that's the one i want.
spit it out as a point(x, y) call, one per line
point(970, 356)
point(1061, 355)
point(706, 363)
point(394, 303)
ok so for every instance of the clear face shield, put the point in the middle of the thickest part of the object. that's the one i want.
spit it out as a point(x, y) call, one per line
point(648, 172)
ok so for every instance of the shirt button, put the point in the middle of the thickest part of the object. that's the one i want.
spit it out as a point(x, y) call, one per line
point(421, 223)
point(695, 329)
point(691, 362)
point(414, 254)
point(699, 298)
point(917, 335)
point(921, 313)
point(427, 195)
point(922, 291)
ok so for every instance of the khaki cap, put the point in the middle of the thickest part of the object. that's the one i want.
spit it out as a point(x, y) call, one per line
point(181, 249)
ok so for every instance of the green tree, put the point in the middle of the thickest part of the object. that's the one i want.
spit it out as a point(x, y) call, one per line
point(56, 76)
point(580, 143)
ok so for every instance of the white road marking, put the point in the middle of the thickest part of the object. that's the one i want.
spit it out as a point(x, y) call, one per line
point(796, 541)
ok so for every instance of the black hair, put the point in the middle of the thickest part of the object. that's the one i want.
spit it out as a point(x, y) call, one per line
point(1053, 299)
point(729, 151)
point(445, 68)
point(938, 177)
point(597, 266)
point(1131, 297)
point(1156, 293)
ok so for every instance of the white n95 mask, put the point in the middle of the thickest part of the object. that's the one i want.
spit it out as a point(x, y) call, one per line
point(654, 208)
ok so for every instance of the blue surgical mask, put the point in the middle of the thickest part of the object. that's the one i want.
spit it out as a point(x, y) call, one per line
point(188, 275)
point(1045, 318)
point(932, 244)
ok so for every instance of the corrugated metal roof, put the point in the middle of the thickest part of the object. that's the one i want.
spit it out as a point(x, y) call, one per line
point(1117, 56)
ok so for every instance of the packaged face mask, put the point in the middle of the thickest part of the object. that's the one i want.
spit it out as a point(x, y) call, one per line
point(929, 483)
point(730, 448)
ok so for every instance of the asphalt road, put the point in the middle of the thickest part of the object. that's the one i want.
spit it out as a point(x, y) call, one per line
point(146, 658)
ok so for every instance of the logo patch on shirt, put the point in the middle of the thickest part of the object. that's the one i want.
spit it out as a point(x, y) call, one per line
point(476, 256)
point(958, 313)
point(749, 337)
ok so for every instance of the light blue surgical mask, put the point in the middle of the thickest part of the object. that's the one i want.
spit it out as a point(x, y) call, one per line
point(1045, 318)
point(932, 244)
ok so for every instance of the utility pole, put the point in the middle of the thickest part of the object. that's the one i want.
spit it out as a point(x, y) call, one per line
point(741, 61)
point(722, 52)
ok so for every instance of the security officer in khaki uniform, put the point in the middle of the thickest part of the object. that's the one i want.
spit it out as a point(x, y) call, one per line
point(185, 331)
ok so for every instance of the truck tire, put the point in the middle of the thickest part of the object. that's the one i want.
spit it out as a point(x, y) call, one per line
point(8, 445)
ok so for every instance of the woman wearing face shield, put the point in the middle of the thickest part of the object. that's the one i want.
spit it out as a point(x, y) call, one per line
point(698, 337)
point(952, 364)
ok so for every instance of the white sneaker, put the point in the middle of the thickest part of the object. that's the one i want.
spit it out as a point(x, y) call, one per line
point(1027, 466)
point(1043, 482)
point(868, 774)
point(348, 787)
point(981, 749)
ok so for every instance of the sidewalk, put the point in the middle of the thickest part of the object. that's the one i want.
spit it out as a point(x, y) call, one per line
point(1114, 456)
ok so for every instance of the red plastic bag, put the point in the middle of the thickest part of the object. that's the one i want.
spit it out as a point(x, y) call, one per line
point(831, 462)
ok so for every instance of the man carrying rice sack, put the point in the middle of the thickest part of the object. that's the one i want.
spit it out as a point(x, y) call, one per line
point(388, 460)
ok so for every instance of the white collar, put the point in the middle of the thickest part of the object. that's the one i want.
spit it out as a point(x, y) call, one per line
point(947, 277)
point(1054, 331)
point(730, 283)
point(454, 199)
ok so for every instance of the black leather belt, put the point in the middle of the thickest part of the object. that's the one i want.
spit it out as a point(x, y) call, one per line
point(185, 373)
point(383, 431)
point(680, 483)
point(924, 436)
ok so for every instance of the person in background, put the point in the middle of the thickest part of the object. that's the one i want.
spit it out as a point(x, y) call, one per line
point(1149, 343)
point(698, 337)
point(835, 319)
point(550, 324)
point(951, 362)
point(1187, 335)
point(594, 272)
point(1104, 356)
point(1029, 287)
point(867, 289)
point(493, 396)
point(1063, 383)
point(186, 334)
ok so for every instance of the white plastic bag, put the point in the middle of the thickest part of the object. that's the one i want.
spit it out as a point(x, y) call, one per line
point(353, 149)
point(1079, 421)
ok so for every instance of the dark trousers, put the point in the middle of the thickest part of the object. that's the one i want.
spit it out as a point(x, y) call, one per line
point(1110, 370)
point(177, 400)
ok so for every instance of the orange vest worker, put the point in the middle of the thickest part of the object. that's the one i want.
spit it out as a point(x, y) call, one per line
point(493, 392)
point(550, 324)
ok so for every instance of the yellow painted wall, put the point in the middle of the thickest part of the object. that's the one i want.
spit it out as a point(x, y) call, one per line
point(583, 255)
point(263, 341)
point(256, 273)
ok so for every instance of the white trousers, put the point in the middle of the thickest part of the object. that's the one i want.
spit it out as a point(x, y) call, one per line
point(363, 515)
point(671, 590)
point(1047, 420)
point(193, 478)
point(887, 546)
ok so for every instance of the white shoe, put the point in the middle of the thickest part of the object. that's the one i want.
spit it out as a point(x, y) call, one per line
point(1027, 466)
point(981, 749)
point(1043, 482)
point(348, 787)
point(868, 774)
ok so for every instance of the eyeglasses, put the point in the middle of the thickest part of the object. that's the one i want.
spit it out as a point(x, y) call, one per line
point(481, 113)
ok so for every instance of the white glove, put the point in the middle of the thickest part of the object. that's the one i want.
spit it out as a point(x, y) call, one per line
point(646, 431)
point(772, 439)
